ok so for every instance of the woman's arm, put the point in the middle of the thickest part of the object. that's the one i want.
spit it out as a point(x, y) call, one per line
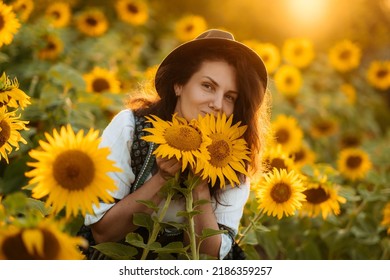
point(117, 221)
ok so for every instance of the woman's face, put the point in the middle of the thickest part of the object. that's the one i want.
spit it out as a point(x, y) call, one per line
point(211, 90)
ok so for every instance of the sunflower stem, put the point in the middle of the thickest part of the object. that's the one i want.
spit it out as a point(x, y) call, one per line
point(253, 223)
point(191, 226)
point(156, 225)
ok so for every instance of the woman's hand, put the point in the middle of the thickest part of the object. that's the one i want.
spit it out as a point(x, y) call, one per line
point(167, 168)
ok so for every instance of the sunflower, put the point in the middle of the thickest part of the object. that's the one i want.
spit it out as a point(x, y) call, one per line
point(177, 138)
point(288, 80)
point(228, 150)
point(53, 47)
point(298, 51)
point(323, 127)
point(350, 140)
point(9, 24)
point(59, 14)
point(43, 241)
point(321, 198)
point(101, 80)
point(378, 74)
point(268, 52)
point(275, 157)
point(280, 193)
point(345, 56)
point(349, 91)
point(287, 132)
point(23, 8)
point(92, 22)
point(11, 95)
point(132, 11)
point(353, 163)
point(72, 171)
point(386, 217)
point(303, 156)
point(188, 27)
point(10, 127)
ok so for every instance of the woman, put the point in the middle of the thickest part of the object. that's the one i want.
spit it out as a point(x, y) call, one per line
point(209, 75)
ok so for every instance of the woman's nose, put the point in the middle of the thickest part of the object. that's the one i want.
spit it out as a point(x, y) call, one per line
point(216, 102)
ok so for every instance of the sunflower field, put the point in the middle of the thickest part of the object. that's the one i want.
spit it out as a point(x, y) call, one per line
point(67, 67)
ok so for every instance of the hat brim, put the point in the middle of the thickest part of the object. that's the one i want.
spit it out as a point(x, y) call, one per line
point(184, 50)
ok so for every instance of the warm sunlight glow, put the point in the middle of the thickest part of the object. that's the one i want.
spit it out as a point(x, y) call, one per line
point(308, 10)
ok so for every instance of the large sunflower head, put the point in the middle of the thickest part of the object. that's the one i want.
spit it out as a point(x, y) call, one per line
point(10, 127)
point(101, 80)
point(298, 51)
point(229, 152)
point(177, 138)
point(188, 27)
point(287, 133)
point(378, 74)
point(72, 170)
point(345, 56)
point(354, 163)
point(9, 24)
point(43, 241)
point(280, 193)
point(11, 95)
point(321, 198)
point(288, 80)
point(23, 8)
point(134, 12)
point(92, 22)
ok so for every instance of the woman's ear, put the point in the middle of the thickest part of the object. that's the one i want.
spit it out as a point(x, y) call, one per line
point(177, 88)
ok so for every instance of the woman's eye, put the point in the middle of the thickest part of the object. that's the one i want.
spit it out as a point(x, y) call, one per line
point(207, 86)
point(230, 98)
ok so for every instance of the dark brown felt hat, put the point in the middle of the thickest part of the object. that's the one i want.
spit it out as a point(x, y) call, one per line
point(214, 37)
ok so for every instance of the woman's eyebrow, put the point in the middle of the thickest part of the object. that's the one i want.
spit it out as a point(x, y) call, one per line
point(216, 84)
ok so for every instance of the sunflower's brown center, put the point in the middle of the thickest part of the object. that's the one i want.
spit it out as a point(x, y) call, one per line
point(2, 22)
point(278, 163)
point(5, 132)
point(324, 126)
point(14, 248)
point(382, 73)
point(289, 80)
point(316, 196)
point(281, 192)
point(189, 28)
point(100, 85)
point(350, 141)
point(91, 21)
point(132, 8)
point(299, 155)
point(219, 152)
point(345, 55)
point(298, 51)
point(73, 170)
point(50, 46)
point(55, 15)
point(354, 162)
point(183, 137)
point(282, 136)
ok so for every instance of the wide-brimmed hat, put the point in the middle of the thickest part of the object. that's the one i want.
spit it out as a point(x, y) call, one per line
point(218, 38)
